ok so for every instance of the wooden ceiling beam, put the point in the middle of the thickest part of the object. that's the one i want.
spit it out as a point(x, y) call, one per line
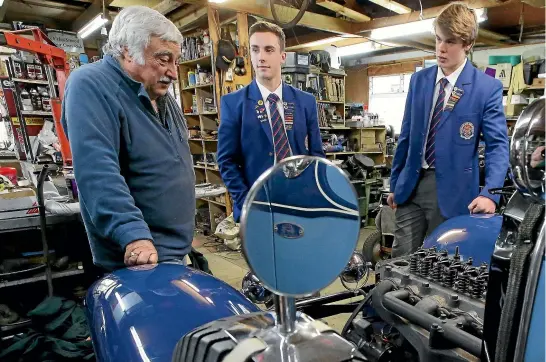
point(166, 6)
point(33, 4)
point(427, 14)
point(492, 35)
point(93, 10)
point(535, 3)
point(343, 10)
point(184, 12)
point(126, 3)
point(3, 9)
point(393, 6)
point(309, 19)
point(191, 18)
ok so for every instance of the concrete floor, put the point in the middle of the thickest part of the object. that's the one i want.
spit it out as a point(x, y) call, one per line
point(230, 267)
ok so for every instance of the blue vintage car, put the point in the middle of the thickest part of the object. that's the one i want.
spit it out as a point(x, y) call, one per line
point(475, 291)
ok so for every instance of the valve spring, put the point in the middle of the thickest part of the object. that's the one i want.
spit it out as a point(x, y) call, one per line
point(436, 275)
point(443, 253)
point(463, 283)
point(425, 267)
point(469, 261)
point(476, 288)
point(483, 280)
point(449, 277)
point(414, 259)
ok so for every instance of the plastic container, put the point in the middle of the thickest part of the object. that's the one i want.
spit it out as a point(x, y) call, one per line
point(10, 173)
point(497, 59)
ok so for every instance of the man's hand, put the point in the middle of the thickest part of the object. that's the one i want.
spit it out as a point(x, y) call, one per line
point(482, 205)
point(140, 252)
point(390, 201)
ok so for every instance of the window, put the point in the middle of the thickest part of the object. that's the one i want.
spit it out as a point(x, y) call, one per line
point(388, 98)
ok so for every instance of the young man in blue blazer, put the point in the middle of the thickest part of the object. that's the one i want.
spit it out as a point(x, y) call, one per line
point(435, 173)
point(266, 121)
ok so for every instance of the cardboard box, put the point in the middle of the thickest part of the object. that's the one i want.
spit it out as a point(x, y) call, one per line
point(539, 82)
point(20, 202)
point(504, 73)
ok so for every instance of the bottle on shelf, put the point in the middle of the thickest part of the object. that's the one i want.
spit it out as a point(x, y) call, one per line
point(18, 68)
point(31, 70)
point(46, 100)
point(40, 73)
point(36, 100)
point(26, 101)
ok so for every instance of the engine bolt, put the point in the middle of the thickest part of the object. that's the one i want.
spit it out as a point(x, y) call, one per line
point(460, 325)
point(454, 297)
point(426, 285)
point(435, 326)
point(443, 316)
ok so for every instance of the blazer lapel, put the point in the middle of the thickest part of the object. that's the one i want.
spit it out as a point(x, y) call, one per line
point(462, 87)
point(429, 95)
point(291, 114)
point(259, 111)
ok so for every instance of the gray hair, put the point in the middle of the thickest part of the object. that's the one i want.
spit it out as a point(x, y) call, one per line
point(132, 29)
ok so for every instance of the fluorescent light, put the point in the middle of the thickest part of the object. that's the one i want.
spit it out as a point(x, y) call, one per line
point(92, 26)
point(1, 2)
point(399, 30)
point(330, 40)
point(416, 27)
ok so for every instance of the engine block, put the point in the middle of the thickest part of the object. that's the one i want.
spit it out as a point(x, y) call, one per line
point(453, 283)
point(432, 306)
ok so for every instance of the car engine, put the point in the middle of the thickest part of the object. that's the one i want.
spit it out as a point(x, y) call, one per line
point(426, 306)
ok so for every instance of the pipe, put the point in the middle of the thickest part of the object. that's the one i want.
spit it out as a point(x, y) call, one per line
point(286, 314)
point(325, 299)
point(43, 225)
point(392, 301)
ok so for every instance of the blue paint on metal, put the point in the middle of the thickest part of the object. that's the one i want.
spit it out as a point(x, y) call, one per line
point(475, 235)
point(140, 313)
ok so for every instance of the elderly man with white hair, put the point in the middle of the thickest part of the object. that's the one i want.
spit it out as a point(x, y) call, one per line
point(130, 149)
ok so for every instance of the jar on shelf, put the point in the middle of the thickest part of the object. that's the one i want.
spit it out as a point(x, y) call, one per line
point(46, 100)
point(26, 101)
point(40, 71)
point(36, 100)
point(19, 69)
point(31, 70)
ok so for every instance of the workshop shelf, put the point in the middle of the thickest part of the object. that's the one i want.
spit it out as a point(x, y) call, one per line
point(41, 277)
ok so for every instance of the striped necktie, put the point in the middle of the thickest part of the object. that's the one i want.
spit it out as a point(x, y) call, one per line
point(280, 139)
point(430, 156)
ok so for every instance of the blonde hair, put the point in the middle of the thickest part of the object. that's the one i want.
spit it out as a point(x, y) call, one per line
point(266, 27)
point(458, 20)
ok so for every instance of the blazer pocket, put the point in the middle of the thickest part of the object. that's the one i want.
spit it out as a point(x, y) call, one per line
point(466, 129)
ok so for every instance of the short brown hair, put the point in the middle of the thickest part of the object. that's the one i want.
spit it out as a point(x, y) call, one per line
point(460, 21)
point(266, 27)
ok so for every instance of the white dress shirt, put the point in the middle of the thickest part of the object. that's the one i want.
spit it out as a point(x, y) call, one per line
point(280, 107)
point(451, 81)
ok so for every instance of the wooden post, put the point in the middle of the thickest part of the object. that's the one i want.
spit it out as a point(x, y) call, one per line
point(244, 48)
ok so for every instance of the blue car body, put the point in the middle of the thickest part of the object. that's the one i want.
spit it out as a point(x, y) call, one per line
point(140, 313)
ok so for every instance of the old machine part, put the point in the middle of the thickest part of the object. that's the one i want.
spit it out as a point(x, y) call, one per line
point(443, 298)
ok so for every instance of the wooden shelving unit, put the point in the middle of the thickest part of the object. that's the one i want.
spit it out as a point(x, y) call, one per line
point(195, 97)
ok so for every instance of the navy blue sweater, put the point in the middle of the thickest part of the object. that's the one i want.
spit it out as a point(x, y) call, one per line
point(135, 176)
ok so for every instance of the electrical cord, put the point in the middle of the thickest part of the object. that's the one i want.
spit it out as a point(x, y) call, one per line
point(354, 314)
